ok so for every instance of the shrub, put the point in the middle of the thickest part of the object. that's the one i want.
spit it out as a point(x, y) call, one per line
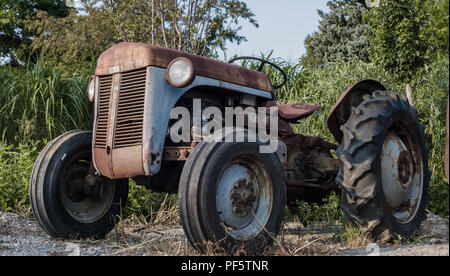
point(16, 164)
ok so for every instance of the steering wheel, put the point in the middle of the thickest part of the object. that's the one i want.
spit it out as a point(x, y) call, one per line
point(261, 66)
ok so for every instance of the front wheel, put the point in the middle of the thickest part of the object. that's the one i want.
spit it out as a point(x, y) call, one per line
point(63, 203)
point(384, 166)
point(232, 196)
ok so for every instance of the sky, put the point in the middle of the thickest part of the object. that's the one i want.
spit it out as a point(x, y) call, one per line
point(283, 27)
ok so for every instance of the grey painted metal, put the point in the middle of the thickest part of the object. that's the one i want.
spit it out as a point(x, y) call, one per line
point(244, 210)
point(160, 99)
point(402, 178)
point(225, 202)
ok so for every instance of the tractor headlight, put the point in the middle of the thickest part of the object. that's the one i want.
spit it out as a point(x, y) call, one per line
point(180, 72)
point(91, 89)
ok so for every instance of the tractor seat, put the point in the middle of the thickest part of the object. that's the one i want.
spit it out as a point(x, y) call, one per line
point(292, 113)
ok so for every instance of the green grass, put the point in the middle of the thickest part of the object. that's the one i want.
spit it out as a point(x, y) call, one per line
point(42, 101)
point(39, 102)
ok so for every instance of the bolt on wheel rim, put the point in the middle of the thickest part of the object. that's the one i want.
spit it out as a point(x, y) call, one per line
point(401, 176)
point(244, 198)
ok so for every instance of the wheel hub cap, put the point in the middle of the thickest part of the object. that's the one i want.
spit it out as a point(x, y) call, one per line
point(401, 176)
point(243, 197)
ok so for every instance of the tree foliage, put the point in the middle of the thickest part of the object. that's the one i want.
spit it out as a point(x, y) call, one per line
point(15, 36)
point(341, 34)
point(440, 24)
point(198, 26)
point(402, 36)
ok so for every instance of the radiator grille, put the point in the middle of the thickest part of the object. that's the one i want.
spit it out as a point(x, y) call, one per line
point(130, 111)
point(105, 88)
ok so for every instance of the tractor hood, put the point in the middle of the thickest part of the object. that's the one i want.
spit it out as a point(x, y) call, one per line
point(126, 56)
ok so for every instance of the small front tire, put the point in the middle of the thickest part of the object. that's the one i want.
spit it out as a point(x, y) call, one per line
point(64, 205)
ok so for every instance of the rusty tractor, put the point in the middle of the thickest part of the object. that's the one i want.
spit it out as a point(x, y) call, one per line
point(230, 193)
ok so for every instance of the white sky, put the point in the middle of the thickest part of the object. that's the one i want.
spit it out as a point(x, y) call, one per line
point(283, 27)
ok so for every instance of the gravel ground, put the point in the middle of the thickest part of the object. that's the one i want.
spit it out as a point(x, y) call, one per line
point(21, 236)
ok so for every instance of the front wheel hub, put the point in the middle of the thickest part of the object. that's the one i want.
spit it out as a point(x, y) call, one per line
point(83, 201)
point(243, 197)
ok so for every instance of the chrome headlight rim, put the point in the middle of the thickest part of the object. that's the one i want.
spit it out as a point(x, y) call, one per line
point(190, 77)
point(91, 89)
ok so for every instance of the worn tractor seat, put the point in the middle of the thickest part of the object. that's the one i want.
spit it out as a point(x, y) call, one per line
point(295, 111)
point(127, 56)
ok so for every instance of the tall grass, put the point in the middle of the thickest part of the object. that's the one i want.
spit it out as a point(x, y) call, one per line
point(42, 101)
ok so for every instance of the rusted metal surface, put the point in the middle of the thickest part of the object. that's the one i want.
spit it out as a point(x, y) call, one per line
point(446, 157)
point(102, 114)
point(127, 162)
point(305, 143)
point(130, 109)
point(291, 113)
point(130, 56)
point(301, 183)
point(243, 197)
point(352, 97)
point(117, 149)
point(176, 153)
point(295, 111)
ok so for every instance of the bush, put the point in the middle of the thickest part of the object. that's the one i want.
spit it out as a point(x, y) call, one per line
point(16, 164)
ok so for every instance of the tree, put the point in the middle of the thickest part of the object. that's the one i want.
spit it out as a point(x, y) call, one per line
point(401, 36)
point(440, 24)
point(198, 26)
point(15, 37)
point(341, 35)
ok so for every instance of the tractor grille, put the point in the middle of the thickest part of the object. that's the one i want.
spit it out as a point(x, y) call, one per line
point(105, 88)
point(130, 110)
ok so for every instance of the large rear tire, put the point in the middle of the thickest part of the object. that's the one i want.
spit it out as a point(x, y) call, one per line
point(64, 205)
point(232, 196)
point(384, 172)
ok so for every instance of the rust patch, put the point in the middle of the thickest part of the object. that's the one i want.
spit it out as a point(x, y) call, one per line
point(126, 56)
point(127, 162)
point(295, 111)
point(176, 153)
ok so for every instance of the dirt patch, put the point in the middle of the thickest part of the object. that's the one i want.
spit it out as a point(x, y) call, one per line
point(22, 236)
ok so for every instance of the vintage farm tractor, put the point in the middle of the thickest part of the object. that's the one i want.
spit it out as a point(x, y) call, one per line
point(230, 193)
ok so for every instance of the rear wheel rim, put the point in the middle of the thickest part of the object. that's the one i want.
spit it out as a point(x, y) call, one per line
point(83, 203)
point(402, 175)
point(244, 198)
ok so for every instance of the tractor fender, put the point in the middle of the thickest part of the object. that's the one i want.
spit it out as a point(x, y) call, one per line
point(350, 98)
